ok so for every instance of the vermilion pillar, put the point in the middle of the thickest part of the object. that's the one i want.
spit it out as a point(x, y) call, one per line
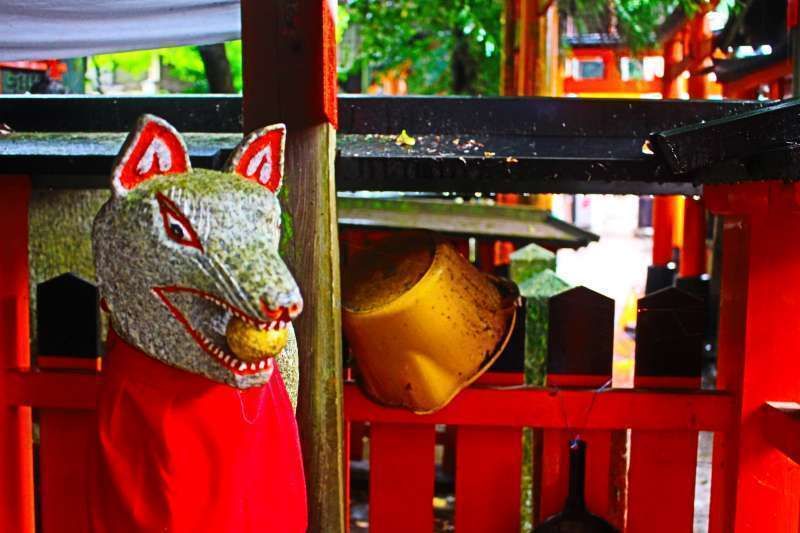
point(755, 487)
point(659, 275)
point(663, 224)
point(693, 252)
point(16, 445)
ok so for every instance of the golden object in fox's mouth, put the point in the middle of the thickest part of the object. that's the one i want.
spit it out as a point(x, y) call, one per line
point(249, 343)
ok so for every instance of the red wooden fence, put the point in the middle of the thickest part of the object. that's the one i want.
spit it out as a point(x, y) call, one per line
point(755, 479)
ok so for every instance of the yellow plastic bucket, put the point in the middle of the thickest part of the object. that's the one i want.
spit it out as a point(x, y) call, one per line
point(422, 322)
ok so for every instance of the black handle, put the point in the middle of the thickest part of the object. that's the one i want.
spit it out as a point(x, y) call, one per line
point(576, 501)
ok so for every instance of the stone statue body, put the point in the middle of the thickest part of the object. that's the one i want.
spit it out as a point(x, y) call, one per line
point(197, 432)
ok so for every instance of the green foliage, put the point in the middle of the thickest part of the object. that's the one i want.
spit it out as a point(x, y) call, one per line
point(638, 21)
point(182, 63)
point(430, 35)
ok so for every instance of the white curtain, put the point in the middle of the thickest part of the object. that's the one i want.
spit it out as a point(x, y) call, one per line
point(60, 29)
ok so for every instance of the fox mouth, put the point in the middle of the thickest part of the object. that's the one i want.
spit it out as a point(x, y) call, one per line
point(206, 316)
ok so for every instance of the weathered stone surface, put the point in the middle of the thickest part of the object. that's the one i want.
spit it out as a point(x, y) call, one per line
point(530, 260)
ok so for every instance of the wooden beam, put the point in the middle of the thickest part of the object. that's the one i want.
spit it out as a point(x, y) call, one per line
point(738, 88)
point(692, 147)
point(560, 408)
point(781, 423)
point(57, 389)
point(289, 62)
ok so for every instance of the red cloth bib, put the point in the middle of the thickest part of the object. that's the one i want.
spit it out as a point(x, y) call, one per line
point(179, 453)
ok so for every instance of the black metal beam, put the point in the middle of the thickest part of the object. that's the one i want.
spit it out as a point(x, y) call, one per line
point(700, 145)
point(462, 145)
point(541, 117)
point(206, 113)
point(534, 117)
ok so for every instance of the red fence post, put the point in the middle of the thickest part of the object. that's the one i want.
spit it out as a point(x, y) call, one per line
point(669, 343)
point(488, 471)
point(757, 485)
point(401, 477)
point(67, 340)
point(580, 353)
point(16, 444)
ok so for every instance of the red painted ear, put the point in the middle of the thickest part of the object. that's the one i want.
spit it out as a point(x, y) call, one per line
point(259, 157)
point(154, 147)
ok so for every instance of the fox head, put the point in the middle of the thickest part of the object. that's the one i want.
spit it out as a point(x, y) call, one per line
point(179, 253)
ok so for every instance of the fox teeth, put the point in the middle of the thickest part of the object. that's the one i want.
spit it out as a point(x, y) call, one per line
point(243, 366)
point(227, 359)
point(262, 364)
point(252, 366)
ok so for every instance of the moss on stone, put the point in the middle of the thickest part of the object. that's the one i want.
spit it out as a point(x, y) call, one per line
point(530, 260)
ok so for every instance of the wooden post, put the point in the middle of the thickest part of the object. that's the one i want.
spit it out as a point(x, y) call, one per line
point(693, 252)
point(755, 485)
point(700, 48)
point(659, 275)
point(536, 71)
point(673, 56)
point(289, 62)
point(580, 353)
point(669, 344)
point(508, 82)
point(16, 442)
point(401, 478)
point(68, 329)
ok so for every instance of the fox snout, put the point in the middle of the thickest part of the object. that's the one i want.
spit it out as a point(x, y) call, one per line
point(284, 313)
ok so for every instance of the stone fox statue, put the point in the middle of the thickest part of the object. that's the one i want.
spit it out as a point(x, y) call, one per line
point(196, 428)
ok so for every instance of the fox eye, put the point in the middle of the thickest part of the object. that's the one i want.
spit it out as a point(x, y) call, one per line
point(176, 225)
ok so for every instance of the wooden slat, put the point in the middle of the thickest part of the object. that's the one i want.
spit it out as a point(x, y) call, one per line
point(67, 389)
point(66, 438)
point(663, 464)
point(546, 407)
point(488, 467)
point(401, 478)
point(580, 347)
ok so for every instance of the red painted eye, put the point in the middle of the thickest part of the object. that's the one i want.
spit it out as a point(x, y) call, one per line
point(176, 225)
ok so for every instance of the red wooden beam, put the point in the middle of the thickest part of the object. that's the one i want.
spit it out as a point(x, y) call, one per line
point(739, 88)
point(781, 423)
point(68, 389)
point(476, 406)
point(554, 408)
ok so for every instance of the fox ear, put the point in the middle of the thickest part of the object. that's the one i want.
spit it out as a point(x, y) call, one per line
point(259, 157)
point(154, 147)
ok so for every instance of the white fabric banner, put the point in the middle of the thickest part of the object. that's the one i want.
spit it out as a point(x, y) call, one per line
point(60, 29)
